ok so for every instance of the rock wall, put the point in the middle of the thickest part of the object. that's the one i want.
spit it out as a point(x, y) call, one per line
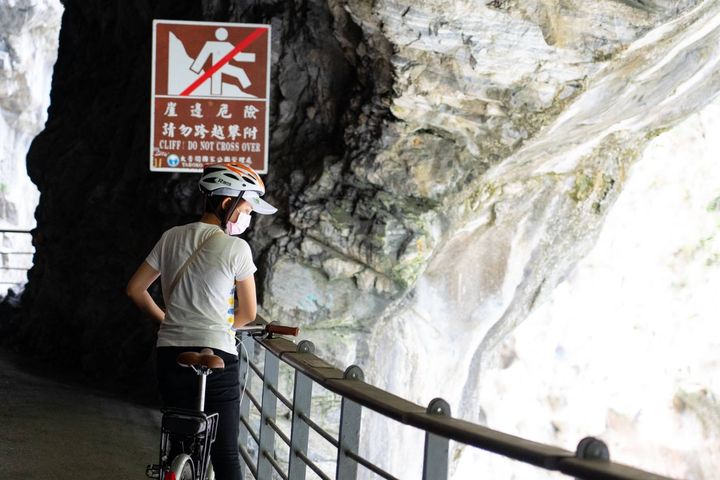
point(520, 227)
point(100, 209)
point(470, 165)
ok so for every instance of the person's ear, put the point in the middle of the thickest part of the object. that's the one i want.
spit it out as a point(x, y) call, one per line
point(225, 204)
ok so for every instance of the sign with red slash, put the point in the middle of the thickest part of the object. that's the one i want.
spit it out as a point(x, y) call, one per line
point(210, 94)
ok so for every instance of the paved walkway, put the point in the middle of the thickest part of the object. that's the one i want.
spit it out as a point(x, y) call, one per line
point(57, 430)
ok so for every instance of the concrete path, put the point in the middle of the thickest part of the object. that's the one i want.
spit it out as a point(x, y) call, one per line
point(57, 430)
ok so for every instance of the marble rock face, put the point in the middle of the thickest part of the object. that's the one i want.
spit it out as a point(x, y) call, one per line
point(28, 49)
point(513, 125)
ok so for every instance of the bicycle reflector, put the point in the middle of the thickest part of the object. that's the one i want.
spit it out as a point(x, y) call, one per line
point(170, 476)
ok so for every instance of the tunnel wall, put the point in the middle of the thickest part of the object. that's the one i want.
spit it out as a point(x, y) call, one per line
point(101, 210)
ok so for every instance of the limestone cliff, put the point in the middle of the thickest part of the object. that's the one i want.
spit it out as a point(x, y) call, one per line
point(28, 48)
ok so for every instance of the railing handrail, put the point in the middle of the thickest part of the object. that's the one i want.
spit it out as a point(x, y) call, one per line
point(6, 252)
point(399, 409)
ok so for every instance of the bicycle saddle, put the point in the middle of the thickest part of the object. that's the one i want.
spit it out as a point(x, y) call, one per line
point(205, 358)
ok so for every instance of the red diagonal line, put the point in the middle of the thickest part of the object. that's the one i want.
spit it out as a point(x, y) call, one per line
point(238, 48)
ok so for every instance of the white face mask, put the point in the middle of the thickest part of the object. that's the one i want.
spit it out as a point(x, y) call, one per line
point(239, 226)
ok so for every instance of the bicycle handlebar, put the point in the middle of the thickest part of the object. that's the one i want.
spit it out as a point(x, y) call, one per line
point(269, 329)
point(282, 330)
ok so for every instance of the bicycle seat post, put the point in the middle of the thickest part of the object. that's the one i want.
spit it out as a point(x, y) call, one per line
point(203, 364)
point(202, 372)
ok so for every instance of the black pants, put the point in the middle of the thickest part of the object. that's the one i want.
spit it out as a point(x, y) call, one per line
point(179, 388)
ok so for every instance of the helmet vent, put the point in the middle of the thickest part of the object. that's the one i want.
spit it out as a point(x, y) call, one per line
point(231, 175)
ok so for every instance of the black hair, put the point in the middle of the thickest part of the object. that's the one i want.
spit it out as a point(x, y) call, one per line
point(214, 205)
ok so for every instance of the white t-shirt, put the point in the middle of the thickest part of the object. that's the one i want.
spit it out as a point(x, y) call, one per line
point(200, 312)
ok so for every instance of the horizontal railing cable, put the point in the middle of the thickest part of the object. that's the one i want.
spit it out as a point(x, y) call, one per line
point(253, 400)
point(373, 468)
point(281, 397)
point(312, 466)
point(319, 430)
point(279, 431)
point(247, 458)
point(257, 370)
point(250, 430)
point(276, 466)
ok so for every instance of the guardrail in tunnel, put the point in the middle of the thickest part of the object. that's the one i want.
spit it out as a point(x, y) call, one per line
point(8, 265)
point(589, 462)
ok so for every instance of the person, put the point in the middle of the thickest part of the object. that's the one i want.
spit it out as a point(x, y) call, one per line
point(206, 274)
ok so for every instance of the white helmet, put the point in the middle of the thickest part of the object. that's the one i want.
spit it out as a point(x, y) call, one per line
point(233, 180)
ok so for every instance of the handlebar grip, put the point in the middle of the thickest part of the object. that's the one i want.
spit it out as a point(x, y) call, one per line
point(282, 330)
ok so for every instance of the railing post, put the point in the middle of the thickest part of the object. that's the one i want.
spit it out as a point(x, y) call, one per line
point(299, 433)
point(244, 374)
point(269, 411)
point(435, 461)
point(591, 448)
point(350, 415)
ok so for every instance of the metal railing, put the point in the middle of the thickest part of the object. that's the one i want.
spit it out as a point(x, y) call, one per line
point(590, 461)
point(13, 272)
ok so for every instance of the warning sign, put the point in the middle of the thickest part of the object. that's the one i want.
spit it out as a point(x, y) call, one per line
point(210, 93)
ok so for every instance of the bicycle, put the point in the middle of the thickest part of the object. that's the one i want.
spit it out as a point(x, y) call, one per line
point(187, 435)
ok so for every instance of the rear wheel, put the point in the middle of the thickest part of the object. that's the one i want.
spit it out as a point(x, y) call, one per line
point(181, 468)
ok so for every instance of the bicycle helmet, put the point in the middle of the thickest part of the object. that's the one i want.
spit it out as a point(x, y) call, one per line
point(235, 180)
point(229, 179)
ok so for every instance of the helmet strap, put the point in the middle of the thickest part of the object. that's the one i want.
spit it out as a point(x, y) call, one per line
point(225, 216)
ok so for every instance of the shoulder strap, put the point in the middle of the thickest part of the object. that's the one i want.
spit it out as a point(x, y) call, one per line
point(187, 263)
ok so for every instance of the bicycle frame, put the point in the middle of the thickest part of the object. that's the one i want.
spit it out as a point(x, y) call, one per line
point(186, 432)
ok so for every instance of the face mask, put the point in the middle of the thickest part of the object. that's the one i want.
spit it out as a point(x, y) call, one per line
point(238, 227)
